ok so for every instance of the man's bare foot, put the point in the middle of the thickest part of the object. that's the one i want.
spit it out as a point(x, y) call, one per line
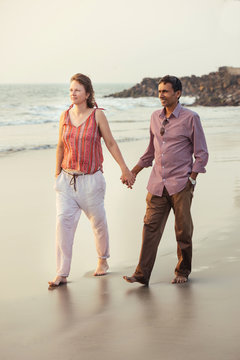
point(130, 279)
point(102, 267)
point(57, 281)
point(133, 279)
point(179, 280)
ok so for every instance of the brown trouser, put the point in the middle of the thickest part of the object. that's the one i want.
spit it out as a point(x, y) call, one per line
point(158, 209)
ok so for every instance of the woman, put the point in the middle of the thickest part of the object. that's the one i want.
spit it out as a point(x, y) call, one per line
point(80, 185)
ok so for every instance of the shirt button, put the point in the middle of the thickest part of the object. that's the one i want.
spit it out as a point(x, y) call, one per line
point(162, 154)
point(163, 142)
point(163, 167)
point(164, 179)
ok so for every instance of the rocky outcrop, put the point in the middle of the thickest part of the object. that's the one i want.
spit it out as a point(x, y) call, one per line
point(219, 88)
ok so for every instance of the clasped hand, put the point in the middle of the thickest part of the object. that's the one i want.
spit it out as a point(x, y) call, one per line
point(128, 178)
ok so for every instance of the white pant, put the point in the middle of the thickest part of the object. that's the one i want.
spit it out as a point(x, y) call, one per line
point(89, 197)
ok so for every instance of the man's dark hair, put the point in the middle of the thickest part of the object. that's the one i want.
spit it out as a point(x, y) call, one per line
point(176, 83)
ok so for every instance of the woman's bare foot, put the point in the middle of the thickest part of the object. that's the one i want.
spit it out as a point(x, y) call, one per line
point(102, 267)
point(57, 281)
point(179, 279)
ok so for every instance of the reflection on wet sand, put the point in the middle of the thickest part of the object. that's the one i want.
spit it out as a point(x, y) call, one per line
point(161, 314)
point(112, 313)
point(75, 305)
point(237, 192)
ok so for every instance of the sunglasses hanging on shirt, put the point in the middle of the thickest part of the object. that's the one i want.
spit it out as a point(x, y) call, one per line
point(162, 130)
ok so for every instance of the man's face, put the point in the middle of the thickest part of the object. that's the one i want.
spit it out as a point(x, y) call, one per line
point(167, 95)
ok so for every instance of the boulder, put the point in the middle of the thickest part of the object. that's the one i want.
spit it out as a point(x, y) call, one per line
point(221, 88)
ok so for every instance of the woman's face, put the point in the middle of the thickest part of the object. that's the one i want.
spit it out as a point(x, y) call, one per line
point(78, 93)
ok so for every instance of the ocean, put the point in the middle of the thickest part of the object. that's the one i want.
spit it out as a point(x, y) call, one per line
point(29, 115)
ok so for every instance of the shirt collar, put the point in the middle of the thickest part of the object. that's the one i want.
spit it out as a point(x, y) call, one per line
point(175, 112)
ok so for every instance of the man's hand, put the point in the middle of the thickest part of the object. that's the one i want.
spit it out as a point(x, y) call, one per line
point(134, 172)
point(193, 175)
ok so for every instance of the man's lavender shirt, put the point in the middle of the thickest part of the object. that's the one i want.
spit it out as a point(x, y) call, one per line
point(173, 152)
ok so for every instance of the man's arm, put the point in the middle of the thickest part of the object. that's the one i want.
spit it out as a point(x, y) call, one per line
point(200, 150)
point(147, 158)
point(193, 175)
point(137, 168)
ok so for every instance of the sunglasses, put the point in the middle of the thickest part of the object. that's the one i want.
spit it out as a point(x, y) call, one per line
point(162, 130)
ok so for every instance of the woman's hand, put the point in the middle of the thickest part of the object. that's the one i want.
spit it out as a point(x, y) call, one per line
point(128, 178)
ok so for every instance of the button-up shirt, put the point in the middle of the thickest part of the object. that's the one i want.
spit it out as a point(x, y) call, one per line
point(173, 151)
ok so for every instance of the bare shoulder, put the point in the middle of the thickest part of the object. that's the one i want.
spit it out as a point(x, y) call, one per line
point(100, 116)
point(63, 114)
point(99, 113)
point(62, 117)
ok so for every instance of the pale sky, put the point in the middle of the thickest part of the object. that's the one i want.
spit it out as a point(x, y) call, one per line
point(116, 41)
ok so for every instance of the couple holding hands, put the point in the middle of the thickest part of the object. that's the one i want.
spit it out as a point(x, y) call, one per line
point(176, 135)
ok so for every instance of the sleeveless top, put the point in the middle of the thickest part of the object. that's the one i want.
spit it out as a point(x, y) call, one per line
point(82, 145)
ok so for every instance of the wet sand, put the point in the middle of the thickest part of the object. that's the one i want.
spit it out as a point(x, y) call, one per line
point(105, 317)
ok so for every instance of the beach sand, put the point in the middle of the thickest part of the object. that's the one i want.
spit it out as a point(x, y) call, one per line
point(105, 317)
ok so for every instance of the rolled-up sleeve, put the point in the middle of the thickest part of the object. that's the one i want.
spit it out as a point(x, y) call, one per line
point(200, 150)
point(147, 159)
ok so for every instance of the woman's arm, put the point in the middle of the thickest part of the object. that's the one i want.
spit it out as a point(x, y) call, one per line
point(60, 147)
point(113, 148)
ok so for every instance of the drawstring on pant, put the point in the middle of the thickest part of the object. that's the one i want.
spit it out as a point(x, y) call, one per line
point(73, 179)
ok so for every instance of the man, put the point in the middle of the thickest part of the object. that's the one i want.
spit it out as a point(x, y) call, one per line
point(176, 135)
